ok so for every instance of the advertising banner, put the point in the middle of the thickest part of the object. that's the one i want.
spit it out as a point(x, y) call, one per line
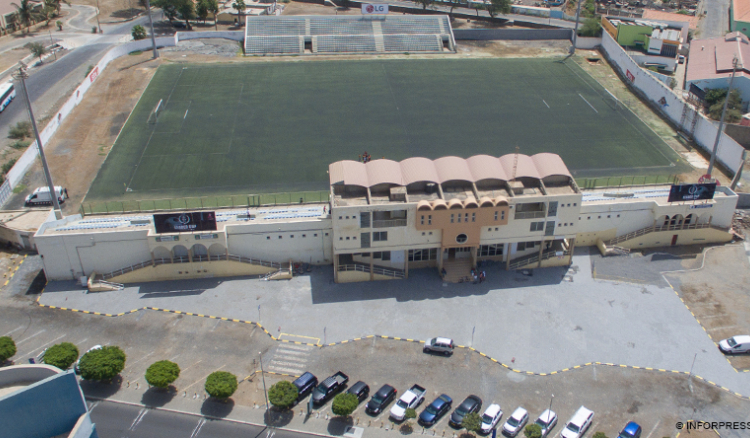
point(374, 9)
point(691, 192)
point(185, 222)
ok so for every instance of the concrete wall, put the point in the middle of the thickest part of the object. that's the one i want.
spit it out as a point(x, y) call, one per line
point(84, 428)
point(669, 63)
point(588, 43)
point(49, 407)
point(307, 242)
point(26, 373)
point(684, 237)
point(741, 83)
point(227, 35)
point(513, 34)
point(181, 271)
point(740, 134)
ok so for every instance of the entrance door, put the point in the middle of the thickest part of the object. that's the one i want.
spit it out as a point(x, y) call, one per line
point(674, 240)
point(451, 253)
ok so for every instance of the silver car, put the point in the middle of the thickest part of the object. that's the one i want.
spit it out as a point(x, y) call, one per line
point(546, 421)
point(439, 345)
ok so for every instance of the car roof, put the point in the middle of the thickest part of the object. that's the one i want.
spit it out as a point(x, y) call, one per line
point(308, 376)
point(741, 339)
point(357, 386)
point(519, 412)
point(385, 389)
point(547, 415)
point(580, 416)
point(471, 400)
point(444, 340)
point(631, 428)
point(442, 400)
point(492, 410)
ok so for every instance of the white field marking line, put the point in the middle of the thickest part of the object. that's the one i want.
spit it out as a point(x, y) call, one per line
point(282, 352)
point(35, 334)
point(185, 116)
point(14, 330)
point(198, 428)
point(592, 106)
point(286, 370)
point(298, 347)
point(204, 378)
point(652, 430)
point(42, 346)
point(81, 342)
point(545, 102)
point(722, 327)
point(190, 366)
point(138, 419)
point(287, 364)
point(173, 358)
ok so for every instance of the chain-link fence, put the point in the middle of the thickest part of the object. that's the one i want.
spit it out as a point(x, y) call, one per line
point(203, 202)
point(626, 181)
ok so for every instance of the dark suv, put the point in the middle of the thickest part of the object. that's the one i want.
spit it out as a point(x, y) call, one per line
point(380, 400)
point(305, 384)
point(361, 390)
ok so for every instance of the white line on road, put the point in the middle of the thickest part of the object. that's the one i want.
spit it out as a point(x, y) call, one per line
point(190, 366)
point(299, 347)
point(41, 346)
point(173, 358)
point(286, 370)
point(198, 428)
point(652, 430)
point(14, 330)
point(592, 106)
point(35, 334)
point(133, 363)
point(545, 102)
point(82, 341)
point(291, 362)
point(138, 419)
point(204, 378)
point(294, 352)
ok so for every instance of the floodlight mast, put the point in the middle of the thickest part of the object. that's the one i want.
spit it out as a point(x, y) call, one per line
point(151, 23)
point(575, 31)
point(22, 75)
point(735, 61)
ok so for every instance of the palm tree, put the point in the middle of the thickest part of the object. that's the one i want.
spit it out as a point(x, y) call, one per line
point(57, 4)
point(25, 13)
point(213, 8)
point(239, 5)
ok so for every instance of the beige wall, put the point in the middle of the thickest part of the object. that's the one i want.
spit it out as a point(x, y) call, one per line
point(684, 237)
point(589, 239)
point(222, 268)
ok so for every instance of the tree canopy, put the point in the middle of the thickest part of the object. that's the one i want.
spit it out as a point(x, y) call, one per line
point(7, 348)
point(221, 384)
point(102, 364)
point(162, 373)
point(283, 394)
point(495, 7)
point(533, 431)
point(138, 32)
point(344, 404)
point(61, 355)
point(472, 422)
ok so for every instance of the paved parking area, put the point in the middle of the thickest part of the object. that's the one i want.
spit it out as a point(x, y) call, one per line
point(539, 323)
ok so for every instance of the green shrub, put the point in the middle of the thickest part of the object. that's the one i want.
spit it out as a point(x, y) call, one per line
point(7, 348)
point(600, 435)
point(20, 144)
point(9, 165)
point(102, 364)
point(472, 422)
point(162, 373)
point(344, 404)
point(61, 355)
point(283, 394)
point(221, 384)
point(20, 131)
point(533, 431)
point(138, 32)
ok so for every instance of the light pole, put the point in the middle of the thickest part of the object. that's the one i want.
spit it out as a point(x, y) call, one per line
point(721, 122)
point(52, 43)
point(99, 25)
point(549, 411)
point(151, 23)
point(575, 31)
point(22, 75)
point(263, 376)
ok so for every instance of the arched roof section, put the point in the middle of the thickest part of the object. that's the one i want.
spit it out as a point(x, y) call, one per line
point(348, 172)
point(418, 169)
point(423, 205)
point(453, 169)
point(550, 164)
point(471, 203)
point(383, 172)
point(486, 167)
point(501, 200)
point(455, 203)
point(486, 202)
point(439, 204)
point(525, 167)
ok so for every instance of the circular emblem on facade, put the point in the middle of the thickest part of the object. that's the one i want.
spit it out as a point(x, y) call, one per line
point(184, 219)
point(461, 238)
point(370, 8)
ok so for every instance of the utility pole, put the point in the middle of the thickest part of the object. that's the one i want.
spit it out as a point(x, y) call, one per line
point(22, 75)
point(151, 23)
point(98, 25)
point(263, 376)
point(575, 31)
point(721, 122)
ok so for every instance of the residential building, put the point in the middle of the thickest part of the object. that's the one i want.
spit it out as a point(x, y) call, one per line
point(739, 16)
point(649, 43)
point(710, 64)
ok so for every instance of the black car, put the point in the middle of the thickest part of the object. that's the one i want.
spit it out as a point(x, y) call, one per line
point(435, 410)
point(305, 384)
point(380, 400)
point(361, 390)
point(471, 404)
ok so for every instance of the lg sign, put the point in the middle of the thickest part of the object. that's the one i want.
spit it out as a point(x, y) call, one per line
point(374, 9)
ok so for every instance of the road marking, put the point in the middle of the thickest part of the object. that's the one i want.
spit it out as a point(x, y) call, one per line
point(293, 352)
point(41, 346)
point(652, 430)
point(545, 103)
point(204, 378)
point(190, 366)
point(93, 405)
point(173, 358)
point(287, 370)
point(198, 428)
point(304, 348)
point(133, 363)
point(282, 363)
point(138, 419)
point(35, 334)
point(14, 330)
point(592, 106)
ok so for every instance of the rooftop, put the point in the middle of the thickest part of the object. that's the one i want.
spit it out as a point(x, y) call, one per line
point(658, 194)
point(23, 220)
point(224, 217)
point(711, 58)
point(650, 14)
point(741, 10)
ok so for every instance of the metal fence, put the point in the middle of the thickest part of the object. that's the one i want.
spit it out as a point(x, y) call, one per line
point(626, 181)
point(204, 202)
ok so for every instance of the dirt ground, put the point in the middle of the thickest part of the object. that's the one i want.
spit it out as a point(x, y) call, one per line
point(112, 11)
point(718, 296)
point(298, 8)
point(78, 149)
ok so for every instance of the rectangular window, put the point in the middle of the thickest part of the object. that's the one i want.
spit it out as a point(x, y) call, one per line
point(550, 230)
point(552, 210)
point(466, 217)
point(380, 236)
point(429, 219)
point(459, 218)
point(452, 217)
point(364, 240)
point(386, 256)
point(531, 210)
point(364, 219)
point(536, 226)
point(473, 217)
point(491, 250)
point(421, 220)
point(502, 215)
point(418, 255)
point(495, 215)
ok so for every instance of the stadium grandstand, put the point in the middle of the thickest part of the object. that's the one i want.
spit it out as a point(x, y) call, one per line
point(288, 35)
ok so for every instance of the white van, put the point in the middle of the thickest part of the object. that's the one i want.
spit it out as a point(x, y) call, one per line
point(735, 345)
point(578, 424)
point(41, 196)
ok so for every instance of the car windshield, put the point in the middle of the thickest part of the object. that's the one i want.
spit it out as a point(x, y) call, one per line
point(573, 427)
point(431, 409)
point(320, 389)
point(487, 419)
point(513, 421)
point(378, 398)
point(731, 342)
point(402, 404)
point(541, 423)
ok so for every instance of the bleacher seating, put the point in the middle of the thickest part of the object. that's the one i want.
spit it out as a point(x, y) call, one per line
point(413, 43)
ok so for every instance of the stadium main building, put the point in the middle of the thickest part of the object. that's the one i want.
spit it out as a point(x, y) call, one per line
point(385, 218)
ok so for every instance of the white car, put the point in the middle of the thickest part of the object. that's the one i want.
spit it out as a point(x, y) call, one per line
point(578, 424)
point(735, 345)
point(516, 422)
point(75, 367)
point(491, 417)
point(546, 421)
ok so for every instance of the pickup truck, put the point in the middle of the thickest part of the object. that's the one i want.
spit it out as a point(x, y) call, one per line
point(328, 387)
point(409, 400)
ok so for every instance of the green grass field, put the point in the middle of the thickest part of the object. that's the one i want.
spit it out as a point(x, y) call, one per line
point(275, 127)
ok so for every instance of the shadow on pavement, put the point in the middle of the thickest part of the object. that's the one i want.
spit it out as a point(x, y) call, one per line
point(337, 425)
point(158, 397)
point(37, 284)
point(277, 418)
point(101, 389)
point(217, 408)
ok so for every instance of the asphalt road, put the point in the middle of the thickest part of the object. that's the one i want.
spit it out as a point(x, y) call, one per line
point(120, 421)
point(716, 21)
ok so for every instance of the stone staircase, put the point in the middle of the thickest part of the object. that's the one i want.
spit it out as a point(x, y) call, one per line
point(457, 269)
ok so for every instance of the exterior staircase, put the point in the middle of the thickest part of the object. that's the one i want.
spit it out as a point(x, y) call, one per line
point(457, 270)
point(156, 262)
point(379, 270)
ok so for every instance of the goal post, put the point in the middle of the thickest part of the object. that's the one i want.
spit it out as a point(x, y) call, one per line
point(154, 116)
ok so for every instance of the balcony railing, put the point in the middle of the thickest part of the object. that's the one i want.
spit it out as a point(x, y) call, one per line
point(530, 214)
point(389, 223)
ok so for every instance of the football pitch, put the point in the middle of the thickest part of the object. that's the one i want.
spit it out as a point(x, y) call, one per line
point(268, 127)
